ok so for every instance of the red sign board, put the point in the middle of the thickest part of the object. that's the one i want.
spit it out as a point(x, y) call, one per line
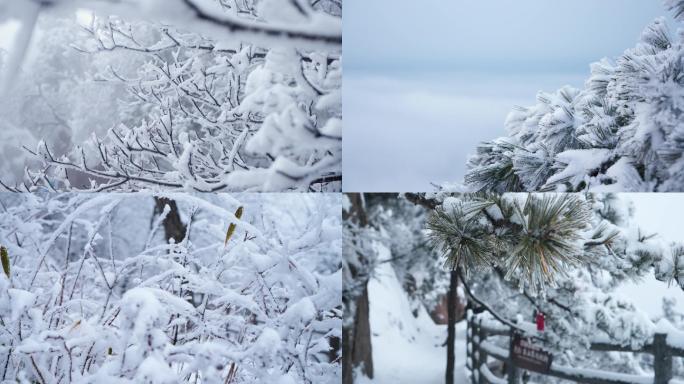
point(526, 355)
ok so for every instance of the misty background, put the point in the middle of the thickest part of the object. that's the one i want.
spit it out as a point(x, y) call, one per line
point(426, 81)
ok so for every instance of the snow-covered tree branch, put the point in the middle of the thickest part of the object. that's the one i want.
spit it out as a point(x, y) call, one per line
point(96, 288)
point(567, 256)
point(194, 110)
point(576, 289)
point(621, 132)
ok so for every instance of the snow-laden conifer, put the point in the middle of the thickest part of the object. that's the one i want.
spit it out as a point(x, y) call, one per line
point(621, 132)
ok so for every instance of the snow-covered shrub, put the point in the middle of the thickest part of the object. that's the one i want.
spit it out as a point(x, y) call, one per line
point(141, 103)
point(96, 294)
point(622, 132)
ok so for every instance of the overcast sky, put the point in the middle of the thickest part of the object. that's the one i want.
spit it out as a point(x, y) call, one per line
point(426, 81)
point(520, 34)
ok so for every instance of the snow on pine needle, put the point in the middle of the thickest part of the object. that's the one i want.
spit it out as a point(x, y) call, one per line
point(621, 132)
point(533, 238)
point(596, 247)
point(96, 293)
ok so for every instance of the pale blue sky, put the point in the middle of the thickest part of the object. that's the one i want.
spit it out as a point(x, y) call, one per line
point(558, 35)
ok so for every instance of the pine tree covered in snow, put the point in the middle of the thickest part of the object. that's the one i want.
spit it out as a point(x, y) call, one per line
point(622, 132)
point(94, 293)
point(202, 110)
point(578, 293)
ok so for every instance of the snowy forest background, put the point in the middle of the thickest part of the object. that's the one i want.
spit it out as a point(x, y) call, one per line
point(627, 287)
point(208, 95)
point(204, 288)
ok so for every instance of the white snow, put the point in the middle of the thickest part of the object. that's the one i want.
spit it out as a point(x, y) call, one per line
point(20, 301)
point(602, 375)
point(191, 107)
point(127, 305)
point(655, 213)
point(8, 31)
point(579, 163)
point(406, 349)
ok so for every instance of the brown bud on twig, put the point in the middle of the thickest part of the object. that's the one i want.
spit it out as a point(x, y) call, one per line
point(231, 227)
point(5, 261)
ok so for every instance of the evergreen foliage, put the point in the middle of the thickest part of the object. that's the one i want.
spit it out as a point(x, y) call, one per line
point(590, 246)
point(622, 132)
point(533, 238)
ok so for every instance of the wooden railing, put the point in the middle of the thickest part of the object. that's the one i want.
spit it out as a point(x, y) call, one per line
point(480, 348)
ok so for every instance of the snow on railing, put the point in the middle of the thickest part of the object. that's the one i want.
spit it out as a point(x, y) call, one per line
point(667, 343)
point(494, 350)
point(596, 376)
point(487, 374)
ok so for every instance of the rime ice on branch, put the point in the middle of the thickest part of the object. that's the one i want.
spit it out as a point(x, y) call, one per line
point(97, 290)
point(231, 96)
point(622, 132)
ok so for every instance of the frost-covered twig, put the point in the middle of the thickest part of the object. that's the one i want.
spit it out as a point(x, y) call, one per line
point(191, 307)
point(201, 112)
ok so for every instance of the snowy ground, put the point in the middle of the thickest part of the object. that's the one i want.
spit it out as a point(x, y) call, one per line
point(406, 350)
point(404, 130)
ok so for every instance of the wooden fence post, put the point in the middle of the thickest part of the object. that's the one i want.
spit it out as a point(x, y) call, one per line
point(481, 354)
point(475, 353)
point(662, 359)
point(469, 341)
point(512, 371)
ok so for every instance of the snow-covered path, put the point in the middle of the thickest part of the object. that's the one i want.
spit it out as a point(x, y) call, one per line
point(406, 349)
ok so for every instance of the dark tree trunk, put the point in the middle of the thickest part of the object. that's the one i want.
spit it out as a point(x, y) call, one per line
point(334, 352)
point(451, 327)
point(357, 350)
point(357, 212)
point(363, 350)
point(173, 225)
point(347, 346)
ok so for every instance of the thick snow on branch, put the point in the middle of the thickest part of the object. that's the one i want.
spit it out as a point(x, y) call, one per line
point(289, 22)
point(97, 291)
point(130, 101)
point(622, 132)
